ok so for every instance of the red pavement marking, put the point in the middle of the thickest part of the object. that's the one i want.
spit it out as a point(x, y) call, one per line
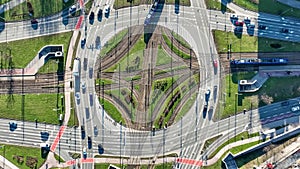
point(79, 22)
point(71, 162)
point(190, 161)
point(81, 3)
point(88, 160)
point(58, 136)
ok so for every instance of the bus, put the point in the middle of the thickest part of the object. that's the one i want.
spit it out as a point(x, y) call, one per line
point(76, 67)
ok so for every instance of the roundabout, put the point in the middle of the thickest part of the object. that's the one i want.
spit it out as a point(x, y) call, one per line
point(149, 82)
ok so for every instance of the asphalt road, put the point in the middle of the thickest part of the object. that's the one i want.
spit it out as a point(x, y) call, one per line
point(185, 136)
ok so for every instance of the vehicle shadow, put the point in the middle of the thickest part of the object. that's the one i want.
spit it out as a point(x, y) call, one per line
point(152, 20)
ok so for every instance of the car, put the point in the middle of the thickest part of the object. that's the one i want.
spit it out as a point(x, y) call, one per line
point(83, 86)
point(234, 17)
point(100, 149)
point(92, 16)
point(262, 27)
point(82, 132)
point(90, 72)
point(250, 26)
point(247, 20)
point(215, 63)
point(98, 42)
point(207, 94)
point(295, 108)
point(238, 23)
point(100, 13)
point(83, 41)
point(238, 30)
point(84, 154)
point(34, 21)
point(284, 30)
point(89, 142)
point(72, 9)
point(106, 9)
point(85, 60)
point(95, 130)
point(77, 96)
point(205, 107)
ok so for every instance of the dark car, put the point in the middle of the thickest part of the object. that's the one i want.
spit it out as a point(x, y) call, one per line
point(207, 95)
point(34, 21)
point(237, 23)
point(98, 42)
point(238, 30)
point(82, 132)
point(100, 13)
point(284, 30)
point(89, 142)
point(262, 27)
point(83, 41)
point(92, 17)
point(100, 149)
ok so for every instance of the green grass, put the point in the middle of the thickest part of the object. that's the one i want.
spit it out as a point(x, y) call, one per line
point(4, 1)
point(276, 88)
point(186, 107)
point(231, 99)
point(22, 55)
point(73, 120)
point(123, 3)
point(208, 142)
point(216, 5)
point(134, 60)
point(112, 111)
point(248, 4)
point(50, 66)
point(104, 81)
point(280, 88)
point(123, 100)
point(269, 6)
point(162, 57)
point(251, 43)
point(240, 136)
point(174, 48)
point(233, 150)
point(40, 9)
point(181, 40)
point(12, 150)
point(58, 158)
point(38, 106)
point(113, 42)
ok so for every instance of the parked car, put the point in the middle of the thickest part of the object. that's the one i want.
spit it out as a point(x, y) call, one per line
point(234, 17)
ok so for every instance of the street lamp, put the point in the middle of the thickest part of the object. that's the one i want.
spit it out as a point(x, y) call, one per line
point(3, 155)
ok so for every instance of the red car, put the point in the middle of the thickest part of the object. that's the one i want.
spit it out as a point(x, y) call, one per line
point(215, 63)
point(237, 23)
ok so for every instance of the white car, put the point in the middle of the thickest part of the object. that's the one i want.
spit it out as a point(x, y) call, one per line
point(72, 9)
point(234, 16)
point(83, 86)
point(77, 96)
point(106, 9)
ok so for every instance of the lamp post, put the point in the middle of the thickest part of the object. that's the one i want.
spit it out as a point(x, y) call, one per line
point(3, 155)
